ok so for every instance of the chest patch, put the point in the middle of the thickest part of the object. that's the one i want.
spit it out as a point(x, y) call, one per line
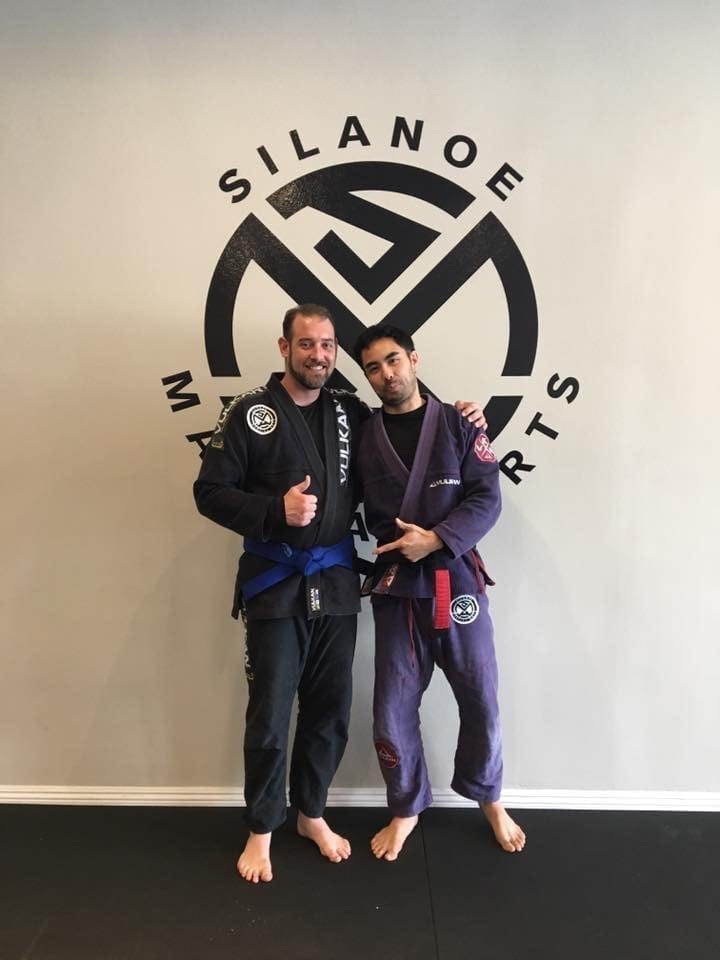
point(445, 482)
point(261, 419)
point(483, 450)
point(464, 609)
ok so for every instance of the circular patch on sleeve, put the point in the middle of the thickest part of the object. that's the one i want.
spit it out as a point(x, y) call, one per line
point(483, 450)
point(261, 419)
point(464, 609)
point(387, 755)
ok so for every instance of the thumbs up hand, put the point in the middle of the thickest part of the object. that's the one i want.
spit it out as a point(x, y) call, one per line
point(300, 507)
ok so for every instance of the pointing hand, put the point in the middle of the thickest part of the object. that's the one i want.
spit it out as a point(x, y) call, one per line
point(415, 543)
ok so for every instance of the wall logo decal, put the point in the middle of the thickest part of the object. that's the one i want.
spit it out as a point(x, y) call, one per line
point(334, 193)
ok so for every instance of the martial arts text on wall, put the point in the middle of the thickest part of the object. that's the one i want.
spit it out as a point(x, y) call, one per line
point(335, 191)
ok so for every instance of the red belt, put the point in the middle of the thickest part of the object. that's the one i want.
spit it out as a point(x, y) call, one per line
point(441, 620)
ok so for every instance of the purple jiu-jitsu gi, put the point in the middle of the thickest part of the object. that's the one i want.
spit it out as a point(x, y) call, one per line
point(435, 611)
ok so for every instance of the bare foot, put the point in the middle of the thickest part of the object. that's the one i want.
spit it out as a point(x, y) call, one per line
point(330, 845)
point(254, 862)
point(507, 833)
point(388, 842)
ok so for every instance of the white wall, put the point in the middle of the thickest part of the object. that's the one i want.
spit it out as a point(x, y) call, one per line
point(120, 663)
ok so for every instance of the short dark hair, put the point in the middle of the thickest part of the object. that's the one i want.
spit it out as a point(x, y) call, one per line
point(381, 331)
point(305, 310)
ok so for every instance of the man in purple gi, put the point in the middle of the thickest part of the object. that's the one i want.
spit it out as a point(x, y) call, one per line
point(431, 477)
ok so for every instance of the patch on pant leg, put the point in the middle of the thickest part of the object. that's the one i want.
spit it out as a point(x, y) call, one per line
point(464, 609)
point(387, 755)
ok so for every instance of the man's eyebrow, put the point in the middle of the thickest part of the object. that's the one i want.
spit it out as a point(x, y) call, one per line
point(388, 356)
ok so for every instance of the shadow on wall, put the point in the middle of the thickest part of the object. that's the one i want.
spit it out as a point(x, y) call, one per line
point(557, 713)
point(173, 704)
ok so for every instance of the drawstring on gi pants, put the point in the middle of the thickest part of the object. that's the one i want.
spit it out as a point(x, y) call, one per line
point(411, 628)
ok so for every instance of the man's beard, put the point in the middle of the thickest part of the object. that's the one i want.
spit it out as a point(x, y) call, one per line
point(310, 379)
point(396, 398)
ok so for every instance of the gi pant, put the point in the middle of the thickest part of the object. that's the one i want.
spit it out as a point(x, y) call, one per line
point(407, 647)
point(313, 658)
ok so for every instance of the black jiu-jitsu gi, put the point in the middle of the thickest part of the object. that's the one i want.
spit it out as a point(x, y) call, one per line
point(296, 586)
point(434, 611)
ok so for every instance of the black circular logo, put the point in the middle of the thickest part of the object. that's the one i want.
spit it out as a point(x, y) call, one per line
point(332, 191)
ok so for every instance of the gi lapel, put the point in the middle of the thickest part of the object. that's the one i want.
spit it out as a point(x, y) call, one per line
point(413, 492)
point(301, 430)
point(336, 435)
point(392, 462)
point(415, 478)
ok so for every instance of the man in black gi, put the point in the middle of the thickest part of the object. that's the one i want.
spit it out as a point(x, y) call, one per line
point(278, 471)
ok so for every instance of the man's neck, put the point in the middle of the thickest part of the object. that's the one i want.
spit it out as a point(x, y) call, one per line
point(301, 395)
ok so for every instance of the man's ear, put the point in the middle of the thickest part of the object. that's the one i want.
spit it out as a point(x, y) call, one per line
point(284, 346)
point(414, 358)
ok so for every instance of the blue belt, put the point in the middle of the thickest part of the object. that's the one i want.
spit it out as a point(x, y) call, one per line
point(288, 561)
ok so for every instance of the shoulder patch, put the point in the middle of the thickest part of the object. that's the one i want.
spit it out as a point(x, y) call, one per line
point(483, 450)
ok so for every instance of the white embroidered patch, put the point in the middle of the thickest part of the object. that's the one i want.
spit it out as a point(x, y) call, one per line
point(261, 419)
point(464, 609)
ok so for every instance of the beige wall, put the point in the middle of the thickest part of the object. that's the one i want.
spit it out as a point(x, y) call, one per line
point(120, 663)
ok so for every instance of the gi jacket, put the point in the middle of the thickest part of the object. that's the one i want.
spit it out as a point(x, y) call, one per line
point(261, 447)
point(453, 489)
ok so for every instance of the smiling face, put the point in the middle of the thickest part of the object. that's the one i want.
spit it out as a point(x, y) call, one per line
point(311, 351)
point(391, 372)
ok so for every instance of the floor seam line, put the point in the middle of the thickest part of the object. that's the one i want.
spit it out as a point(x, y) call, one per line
point(429, 889)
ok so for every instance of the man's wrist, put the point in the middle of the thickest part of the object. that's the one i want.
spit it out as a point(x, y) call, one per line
point(436, 543)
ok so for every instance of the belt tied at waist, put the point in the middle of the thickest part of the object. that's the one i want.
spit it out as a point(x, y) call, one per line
point(289, 560)
point(441, 589)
